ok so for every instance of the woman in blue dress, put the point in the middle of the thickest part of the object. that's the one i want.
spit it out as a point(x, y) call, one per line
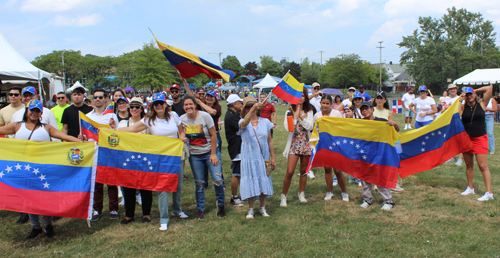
point(255, 147)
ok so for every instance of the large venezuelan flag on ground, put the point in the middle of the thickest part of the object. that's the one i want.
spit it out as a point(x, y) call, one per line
point(364, 149)
point(432, 145)
point(47, 178)
point(190, 65)
point(289, 89)
point(89, 127)
point(139, 161)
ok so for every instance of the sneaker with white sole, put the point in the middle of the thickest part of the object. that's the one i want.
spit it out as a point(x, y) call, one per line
point(181, 215)
point(114, 215)
point(263, 212)
point(486, 197)
point(138, 199)
point(468, 191)
point(96, 216)
point(459, 162)
point(387, 206)
point(250, 214)
point(366, 204)
point(302, 197)
point(328, 196)
point(311, 175)
point(406, 127)
point(345, 197)
point(398, 189)
point(283, 200)
point(122, 202)
point(450, 160)
point(492, 152)
point(360, 184)
point(163, 227)
point(409, 127)
point(236, 201)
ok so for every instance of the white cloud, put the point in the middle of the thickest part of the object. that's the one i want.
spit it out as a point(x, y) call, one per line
point(79, 21)
point(63, 5)
point(398, 8)
point(389, 32)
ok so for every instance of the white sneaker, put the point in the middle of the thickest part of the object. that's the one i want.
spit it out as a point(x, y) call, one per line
point(122, 202)
point(138, 199)
point(302, 197)
point(163, 227)
point(263, 212)
point(459, 162)
point(311, 174)
point(359, 184)
point(283, 200)
point(468, 191)
point(492, 152)
point(328, 196)
point(387, 206)
point(409, 127)
point(486, 197)
point(250, 214)
point(335, 183)
point(451, 160)
point(406, 126)
point(345, 197)
point(181, 215)
point(365, 204)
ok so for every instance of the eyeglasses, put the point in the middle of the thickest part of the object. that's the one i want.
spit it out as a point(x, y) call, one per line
point(61, 97)
point(135, 107)
point(100, 97)
point(14, 94)
point(174, 91)
point(158, 103)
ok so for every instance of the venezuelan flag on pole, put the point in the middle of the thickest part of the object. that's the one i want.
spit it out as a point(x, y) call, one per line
point(364, 149)
point(89, 128)
point(289, 89)
point(47, 178)
point(432, 145)
point(139, 161)
point(110, 109)
point(190, 65)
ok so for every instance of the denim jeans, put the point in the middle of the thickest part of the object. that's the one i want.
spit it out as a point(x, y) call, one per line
point(176, 201)
point(35, 221)
point(198, 164)
point(489, 119)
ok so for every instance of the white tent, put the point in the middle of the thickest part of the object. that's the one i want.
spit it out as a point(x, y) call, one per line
point(267, 82)
point(77, 84)
point(480, 77)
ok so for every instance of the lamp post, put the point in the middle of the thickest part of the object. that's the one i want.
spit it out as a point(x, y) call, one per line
point(64, 73)
point(380, 85)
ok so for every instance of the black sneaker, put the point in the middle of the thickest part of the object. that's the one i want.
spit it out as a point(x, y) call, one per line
point(114, 215)
point(236, 201)
point(220, 212)
point(200, 215)
point(126, 221)
point(49, 231)
point(96, 216)
point(23, 218)
point(34, 233)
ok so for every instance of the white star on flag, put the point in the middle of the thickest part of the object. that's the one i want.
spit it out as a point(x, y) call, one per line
point(444, 135)
point(18, 166)
point(362, 151)
point(364, 157)
point(352, 142)
point(42, 177)
point(433, 134)
point(357, 146)
point(331, 148)
point(1, 174)
point(422, 149)
point(27, 167)
point(46, 185)
point(334, 144)
point(439, 133)
point(345, 141)
point(124, 164)
point(139, 156)
point(338, 142)
point(149, 162)
point(427, 137)
point(145, 159)
point(150, 168)
point(127, 160)
point(8, 169)
point(423, 143)
point(133, 157)
point(35, 171)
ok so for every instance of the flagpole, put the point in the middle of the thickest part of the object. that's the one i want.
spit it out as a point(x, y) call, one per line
point(275, 86)
point(79, 122)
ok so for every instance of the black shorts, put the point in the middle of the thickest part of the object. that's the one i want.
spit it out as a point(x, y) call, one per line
point(236, 167)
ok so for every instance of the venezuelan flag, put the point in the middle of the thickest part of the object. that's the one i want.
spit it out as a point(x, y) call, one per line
point(432, 145)
point(139, 161)
point(47, 178)
point(89, 128)
point(364, 149)
point(110, 109)
point(289, 89)
point(190, 65)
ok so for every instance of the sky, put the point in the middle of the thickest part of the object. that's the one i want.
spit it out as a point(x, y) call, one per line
point(292, 29)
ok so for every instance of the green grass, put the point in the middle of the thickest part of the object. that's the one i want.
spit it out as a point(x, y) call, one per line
point(430, 218)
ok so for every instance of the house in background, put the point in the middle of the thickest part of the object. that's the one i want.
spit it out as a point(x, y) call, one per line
point(399, 79)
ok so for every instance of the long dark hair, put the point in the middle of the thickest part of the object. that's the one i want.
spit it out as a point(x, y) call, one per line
point(152, 115)
point(386, 104)
point(306, 106)
point(335, 99)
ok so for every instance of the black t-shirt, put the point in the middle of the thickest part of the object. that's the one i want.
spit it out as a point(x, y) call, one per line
point(232, 127)
point(178, 108)
point(70, 117)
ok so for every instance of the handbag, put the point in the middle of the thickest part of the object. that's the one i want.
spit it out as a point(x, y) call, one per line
point(269, 168)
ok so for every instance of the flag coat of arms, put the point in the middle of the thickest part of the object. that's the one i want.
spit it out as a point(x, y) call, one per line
point(47, 178)
point(89, 127)
point(289, 89)
point(397, 106)
point(364, 149)
point(139, 161)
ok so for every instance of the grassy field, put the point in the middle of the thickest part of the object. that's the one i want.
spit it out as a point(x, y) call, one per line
point(430, 219)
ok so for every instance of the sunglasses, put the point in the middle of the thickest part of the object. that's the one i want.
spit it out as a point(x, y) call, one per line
point(316, 88)
point(14, 94)
point(98, 97)
point(158, 103)
point(135, 107)
point(174, 91)
point(61, 97)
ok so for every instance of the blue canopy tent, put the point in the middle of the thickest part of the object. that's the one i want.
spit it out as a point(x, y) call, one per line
point(211, 84)
point(191, 86)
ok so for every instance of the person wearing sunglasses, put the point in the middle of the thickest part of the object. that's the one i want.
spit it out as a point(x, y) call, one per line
point(14, 106)
point(59, 109)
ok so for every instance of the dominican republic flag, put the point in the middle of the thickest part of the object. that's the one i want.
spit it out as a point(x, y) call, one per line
point(397, 106)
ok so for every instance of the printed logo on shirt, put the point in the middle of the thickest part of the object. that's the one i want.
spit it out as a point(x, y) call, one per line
point(196, 135)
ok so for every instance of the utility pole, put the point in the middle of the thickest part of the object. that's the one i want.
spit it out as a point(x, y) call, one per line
point(380, 63)
point(321, 66)
point(220, 57)
point(64, 72)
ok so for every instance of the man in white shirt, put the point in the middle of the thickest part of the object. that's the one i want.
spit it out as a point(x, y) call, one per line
point(100, 101)
point(315, 97)
point(452, 97)
point(348, 101)
point(28, 94)
point(407, 100)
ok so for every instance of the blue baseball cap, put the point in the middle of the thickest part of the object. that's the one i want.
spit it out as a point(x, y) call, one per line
point(122, 98)
point(35, 104)
point(357, 95)
point(211, 93)
point(159, 97)
point(469, 90)
point(422, 88)
point(29, 89)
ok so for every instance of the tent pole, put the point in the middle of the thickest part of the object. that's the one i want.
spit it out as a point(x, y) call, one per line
point(40, 87)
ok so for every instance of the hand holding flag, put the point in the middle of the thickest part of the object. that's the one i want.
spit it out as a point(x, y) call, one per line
point(289, 89)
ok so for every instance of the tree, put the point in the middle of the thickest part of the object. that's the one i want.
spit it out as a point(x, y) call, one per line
point(294, 69)
point(449, 47)
point(251, 68)
point(344, 70)
point(309, 72)
point(232, 63)
point(95, 68)
point(52, 63)
point(152, 69)
point(268, 65)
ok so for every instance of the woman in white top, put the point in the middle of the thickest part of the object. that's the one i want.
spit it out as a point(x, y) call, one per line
point(327, 110)
point(424, 107)
point(297, 146)
point(32, 129)
point(489, 116)
point(382, 106)
point(160, 122)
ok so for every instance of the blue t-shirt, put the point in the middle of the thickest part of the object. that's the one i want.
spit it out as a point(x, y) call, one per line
point(366, 96)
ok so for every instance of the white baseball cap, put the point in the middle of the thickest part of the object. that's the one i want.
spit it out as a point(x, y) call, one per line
point(233, 98)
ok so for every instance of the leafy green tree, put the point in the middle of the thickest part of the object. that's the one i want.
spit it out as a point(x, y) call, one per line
point(52, 63)
point(251, 68)
point(232, 63)
point(343, 70)
point(309, 71)
point(152, 69)
point(95, 69)
point(294, 69)
point(268, 65)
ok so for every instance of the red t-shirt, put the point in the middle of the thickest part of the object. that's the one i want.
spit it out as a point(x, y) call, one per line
point(267, 110)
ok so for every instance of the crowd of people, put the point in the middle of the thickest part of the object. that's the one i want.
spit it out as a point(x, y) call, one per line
point(249, 125)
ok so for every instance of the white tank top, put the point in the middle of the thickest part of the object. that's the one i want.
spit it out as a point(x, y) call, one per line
point(40, 134)
point(489, 106)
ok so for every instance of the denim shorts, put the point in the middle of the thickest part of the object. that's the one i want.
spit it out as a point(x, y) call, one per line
point(236, 167)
